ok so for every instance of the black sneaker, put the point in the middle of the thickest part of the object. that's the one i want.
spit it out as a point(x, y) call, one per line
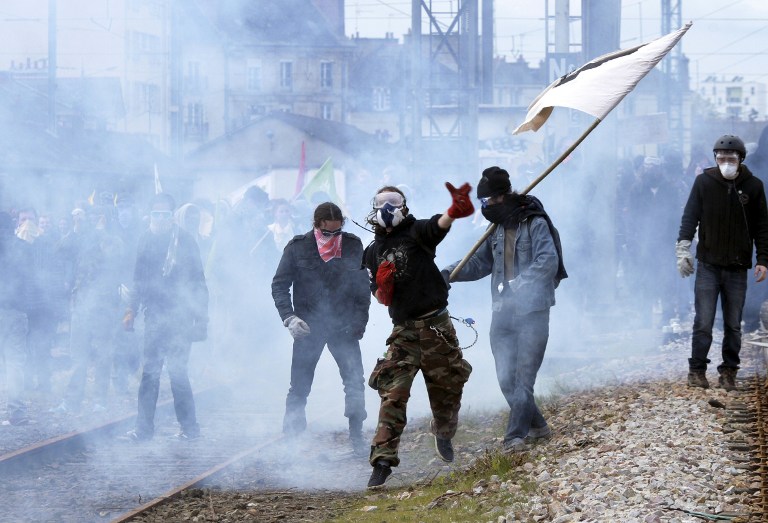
point(444, 449)
point(379, 475)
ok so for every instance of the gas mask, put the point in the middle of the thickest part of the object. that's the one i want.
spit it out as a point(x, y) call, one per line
point(389, 209)
point(729, 170)
point(389, 216)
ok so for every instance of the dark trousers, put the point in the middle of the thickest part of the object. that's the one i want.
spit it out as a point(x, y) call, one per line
point(165, 343)
point(306, 353)
point(731, 286)
point(518, 343)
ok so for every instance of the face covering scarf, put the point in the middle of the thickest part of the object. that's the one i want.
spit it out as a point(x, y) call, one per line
point(328, 247)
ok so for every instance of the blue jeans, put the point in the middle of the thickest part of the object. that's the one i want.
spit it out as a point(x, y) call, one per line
point(518, 343)
point(731, 286)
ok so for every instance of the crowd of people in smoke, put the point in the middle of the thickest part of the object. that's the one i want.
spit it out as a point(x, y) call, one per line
point(68, 280)
point(78, 284)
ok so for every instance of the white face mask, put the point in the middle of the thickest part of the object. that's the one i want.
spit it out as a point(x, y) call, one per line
point(729, 170)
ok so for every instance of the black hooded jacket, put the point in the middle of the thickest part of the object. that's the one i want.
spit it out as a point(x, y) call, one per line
point(731, 217)
point(419, 286)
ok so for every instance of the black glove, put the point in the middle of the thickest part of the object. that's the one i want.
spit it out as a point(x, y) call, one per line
point(199, 330)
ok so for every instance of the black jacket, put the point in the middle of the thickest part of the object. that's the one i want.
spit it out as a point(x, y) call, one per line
point(419, 286)
point(330, 295)
point(182, 294)
point(731, 217)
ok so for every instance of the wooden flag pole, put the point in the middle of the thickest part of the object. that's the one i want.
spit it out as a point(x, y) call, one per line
point(533, 184)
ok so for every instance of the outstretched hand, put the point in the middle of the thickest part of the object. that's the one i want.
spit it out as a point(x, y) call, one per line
point(461, 206)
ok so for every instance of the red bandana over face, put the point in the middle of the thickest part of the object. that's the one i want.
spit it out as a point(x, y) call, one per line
point(328, 247)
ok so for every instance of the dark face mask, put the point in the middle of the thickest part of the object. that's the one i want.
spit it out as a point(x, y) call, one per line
point(496, 213)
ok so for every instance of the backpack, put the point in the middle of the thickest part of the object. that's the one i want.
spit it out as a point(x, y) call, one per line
point(561, 272)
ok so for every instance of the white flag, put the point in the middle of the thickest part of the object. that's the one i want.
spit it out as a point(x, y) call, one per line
point(598, 86)
point(158, 187)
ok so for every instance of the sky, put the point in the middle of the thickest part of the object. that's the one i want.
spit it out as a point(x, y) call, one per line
point(727, 37)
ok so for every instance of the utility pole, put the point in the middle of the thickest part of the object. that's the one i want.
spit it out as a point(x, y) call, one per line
point(176, 71)
point(52, 66)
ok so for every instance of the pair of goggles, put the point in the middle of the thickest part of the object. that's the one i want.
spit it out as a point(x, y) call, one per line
point(160, 215)
point(328, 234)
point(393, 198)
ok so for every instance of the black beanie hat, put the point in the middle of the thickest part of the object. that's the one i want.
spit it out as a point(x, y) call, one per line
point(495, 181)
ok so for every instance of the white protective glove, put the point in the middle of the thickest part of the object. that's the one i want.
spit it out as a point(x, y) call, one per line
point(684, 258)
point(297, 327)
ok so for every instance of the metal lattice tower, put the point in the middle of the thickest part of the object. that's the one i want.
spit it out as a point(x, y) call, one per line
point(444, 95)
point(674, 74)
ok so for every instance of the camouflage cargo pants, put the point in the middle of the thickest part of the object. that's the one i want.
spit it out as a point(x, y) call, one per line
point(430, 346)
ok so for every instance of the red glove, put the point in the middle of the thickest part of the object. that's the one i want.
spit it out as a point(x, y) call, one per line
point(462, 203)
point(385, 281)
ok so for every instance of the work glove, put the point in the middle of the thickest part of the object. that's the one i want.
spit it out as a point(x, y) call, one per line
point(128, 318)
point(462, 203)
point(385, 281)
point(684, 258)
point(297, 327)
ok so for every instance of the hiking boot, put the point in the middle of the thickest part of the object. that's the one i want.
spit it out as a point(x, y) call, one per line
point(727, 379)
point(697, 378)
point(444, 449)
point(535, 433)
point(380, 473)
point(514, 445)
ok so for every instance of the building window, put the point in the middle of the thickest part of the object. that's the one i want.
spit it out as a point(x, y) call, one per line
point(195, 124)
point(326, 75)
point(381, 99)
point(146, 98)
point(286, 75)
point(733, 95)
point(253, 75)
point(326, 111)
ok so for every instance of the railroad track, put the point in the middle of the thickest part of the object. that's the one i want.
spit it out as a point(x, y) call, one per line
point(93, 475)
point(748, 422)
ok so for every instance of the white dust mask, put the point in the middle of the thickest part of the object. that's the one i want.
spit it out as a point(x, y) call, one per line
point(729, 170)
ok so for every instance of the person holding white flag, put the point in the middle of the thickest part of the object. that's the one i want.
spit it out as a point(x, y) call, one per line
point(727, 207)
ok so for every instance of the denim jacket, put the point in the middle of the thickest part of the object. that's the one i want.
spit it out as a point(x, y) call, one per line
point(533, 287)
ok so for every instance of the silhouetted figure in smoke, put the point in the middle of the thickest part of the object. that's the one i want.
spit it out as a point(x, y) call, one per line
point(282, 226)
point(47, 299)
point(727, 207)
point(757, 294)
point(404, 277)
point(15, 259)
point(129, 227)
point(169, 285)
point(653, 204)
point(522, 256)
point(94, 256)
point(329, 307)
point(242, 261)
